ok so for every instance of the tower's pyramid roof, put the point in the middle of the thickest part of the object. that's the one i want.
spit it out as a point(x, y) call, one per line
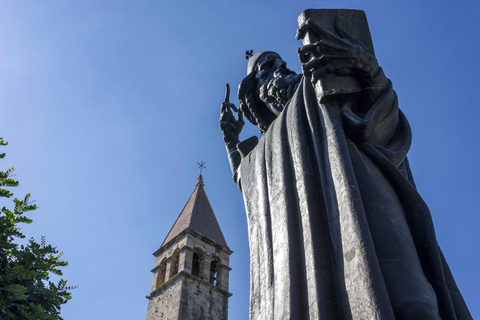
point(197, 215)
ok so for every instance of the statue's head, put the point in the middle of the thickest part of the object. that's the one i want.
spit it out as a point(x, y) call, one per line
point(266, 89)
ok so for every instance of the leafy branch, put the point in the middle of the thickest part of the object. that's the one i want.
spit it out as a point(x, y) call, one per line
point(26, 291)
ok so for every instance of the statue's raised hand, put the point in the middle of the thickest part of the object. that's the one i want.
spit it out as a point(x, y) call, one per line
point(344, 55)
point(230, 126)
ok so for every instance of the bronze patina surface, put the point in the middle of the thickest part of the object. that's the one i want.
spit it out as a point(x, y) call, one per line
point(337, 229)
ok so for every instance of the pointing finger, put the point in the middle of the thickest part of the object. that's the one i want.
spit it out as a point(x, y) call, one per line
point(227, 92)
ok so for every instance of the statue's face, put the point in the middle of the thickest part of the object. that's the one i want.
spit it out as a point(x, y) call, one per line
point(266, 67)
point(276, 84)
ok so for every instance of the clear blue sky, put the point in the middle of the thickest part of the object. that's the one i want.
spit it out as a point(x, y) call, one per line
point(108, 105)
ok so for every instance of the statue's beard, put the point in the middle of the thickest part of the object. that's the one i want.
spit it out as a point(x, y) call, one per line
point(280, 89)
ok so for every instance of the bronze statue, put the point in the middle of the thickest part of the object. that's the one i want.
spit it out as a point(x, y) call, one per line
point(337, 229)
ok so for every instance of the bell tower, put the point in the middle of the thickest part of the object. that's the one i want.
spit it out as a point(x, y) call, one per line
point(190, 276)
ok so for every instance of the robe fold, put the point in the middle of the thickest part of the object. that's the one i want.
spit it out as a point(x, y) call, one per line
point(336, 227)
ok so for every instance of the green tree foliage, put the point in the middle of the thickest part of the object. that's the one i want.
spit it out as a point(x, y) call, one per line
point(26, 291)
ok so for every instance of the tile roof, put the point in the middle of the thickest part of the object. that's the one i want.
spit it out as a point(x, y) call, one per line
point(197, 215)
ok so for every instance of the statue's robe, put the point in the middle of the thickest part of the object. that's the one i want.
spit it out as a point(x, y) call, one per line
point(336, 227)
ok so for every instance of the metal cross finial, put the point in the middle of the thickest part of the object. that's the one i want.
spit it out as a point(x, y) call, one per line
point(248, 54)
point(201, 165)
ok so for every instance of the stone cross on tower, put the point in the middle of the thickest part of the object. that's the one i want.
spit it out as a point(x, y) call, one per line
point(190, 277)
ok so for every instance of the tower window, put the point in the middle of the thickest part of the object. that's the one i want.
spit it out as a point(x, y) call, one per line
point(214, 271)
point(196, 265)
point(174, 263)
point(161, 272)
